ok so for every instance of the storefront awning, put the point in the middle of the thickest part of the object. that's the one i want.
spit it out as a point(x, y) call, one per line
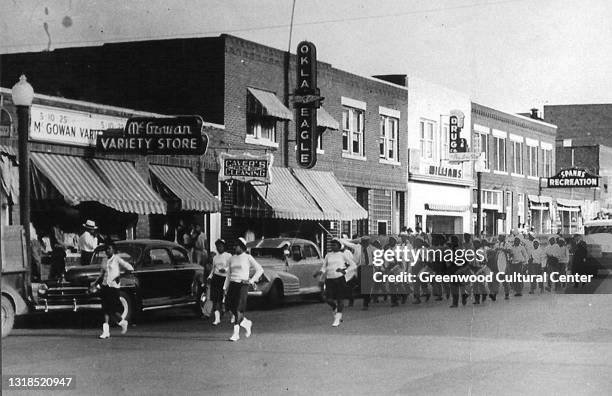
point(8, 150)
point(272, 106)
point(539, 199)
point(329, 194)
point(325, 120)
point(570, 203)
point(187, 188)
point(446, 208)
point(288, 199)
point(115, 184)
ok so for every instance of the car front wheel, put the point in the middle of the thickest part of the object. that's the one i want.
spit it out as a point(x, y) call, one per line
point(8, 316)
point(275, 295)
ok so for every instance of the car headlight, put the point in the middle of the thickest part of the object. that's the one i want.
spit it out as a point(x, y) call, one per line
point(42, 289)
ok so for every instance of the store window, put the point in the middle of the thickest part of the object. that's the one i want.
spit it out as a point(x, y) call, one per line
point(499, 154)
point(517, 157)
point(427, 139)
point(388, 141)
point(353, 121)
point(520, 199)
point(532, 158)
point(481, 145)
point(382, 227)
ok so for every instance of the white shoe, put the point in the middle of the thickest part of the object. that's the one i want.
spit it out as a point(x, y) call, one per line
point(236, 335)
point(233, 319)
point(124, 326)
point(105, 331)
point(247, 324)
point(337, 319)
point(217, 318)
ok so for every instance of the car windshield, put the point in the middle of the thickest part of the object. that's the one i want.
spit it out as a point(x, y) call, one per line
point(129, 253)
point(268, 252)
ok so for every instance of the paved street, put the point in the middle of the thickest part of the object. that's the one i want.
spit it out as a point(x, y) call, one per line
point(550, 344)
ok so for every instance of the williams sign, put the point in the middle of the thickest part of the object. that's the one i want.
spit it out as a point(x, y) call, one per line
point(574, 177)
point(306, 100)
point(181, 135)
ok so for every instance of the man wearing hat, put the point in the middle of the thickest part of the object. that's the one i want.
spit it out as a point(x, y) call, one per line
point(88, 241)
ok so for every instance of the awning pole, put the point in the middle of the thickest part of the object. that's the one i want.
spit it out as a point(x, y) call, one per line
point(325, 229)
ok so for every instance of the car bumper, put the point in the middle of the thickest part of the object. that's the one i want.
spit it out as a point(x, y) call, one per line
point(46, 306)
point(255, 293)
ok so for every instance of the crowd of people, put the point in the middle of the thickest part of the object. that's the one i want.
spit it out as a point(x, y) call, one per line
point(348, 269)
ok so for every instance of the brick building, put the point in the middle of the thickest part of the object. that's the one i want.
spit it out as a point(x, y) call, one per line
point(243, 86)
point(585, 124)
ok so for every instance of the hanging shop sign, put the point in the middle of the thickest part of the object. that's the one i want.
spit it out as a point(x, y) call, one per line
point(69, 127)
point(457, 144)
point(180, 135)
point(245, 167)
point(574, 177)
point(306, 100)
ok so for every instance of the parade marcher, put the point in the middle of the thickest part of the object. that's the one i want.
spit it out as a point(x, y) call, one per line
point(518, 262)
point(88, 241)
point(436, 265)
point(395, 267)
point(479, 267)
point(552, 260)
point(335, 266)
point(109, 278)
point(352, 282)
point(537, 265)
point(580, 260)
point(237, 284)
point(217, 277)
point(363, 255)
point(563, 258)
point(501, 249)
point(452, 267)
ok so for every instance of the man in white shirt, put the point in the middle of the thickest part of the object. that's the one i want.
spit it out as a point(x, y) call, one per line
point(109, 278)
point(363, 256)
point(518, 261)
point(537, 265)
point(88, 242)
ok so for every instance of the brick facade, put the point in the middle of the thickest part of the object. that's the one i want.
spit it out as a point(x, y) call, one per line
point(586, 124)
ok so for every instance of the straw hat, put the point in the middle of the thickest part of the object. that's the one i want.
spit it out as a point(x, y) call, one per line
point(90, 224)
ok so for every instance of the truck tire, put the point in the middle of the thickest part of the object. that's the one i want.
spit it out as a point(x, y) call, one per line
point(8, 316)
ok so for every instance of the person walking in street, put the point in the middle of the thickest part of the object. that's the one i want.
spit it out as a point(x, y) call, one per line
point(563, 258)
point(501, 252)
point(537, 265)
point(363, 256)
point(352, 283)
point(109, 278)
point(552, 261)
point(395, 267)
point(518, 262)
point(217, 277)
point(88, 242)
point(335, 266)
point(237, 284)
point(579, 261)
point(479, 267)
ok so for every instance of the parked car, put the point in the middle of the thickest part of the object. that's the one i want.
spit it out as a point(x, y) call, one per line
point(163, 277)
point(15, 279)
point(289, 265)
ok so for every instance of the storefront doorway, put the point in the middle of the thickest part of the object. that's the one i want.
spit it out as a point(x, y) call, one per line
point(445, 224)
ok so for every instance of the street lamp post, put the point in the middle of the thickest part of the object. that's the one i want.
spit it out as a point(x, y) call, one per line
point(23, 94)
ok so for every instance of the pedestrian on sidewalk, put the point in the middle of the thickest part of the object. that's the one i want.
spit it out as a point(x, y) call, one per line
point(335, 266)
point(237, 284)
point(220, 265)
point(110, 276)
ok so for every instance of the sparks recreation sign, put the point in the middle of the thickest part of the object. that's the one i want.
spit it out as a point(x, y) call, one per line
point(574, 177)
point(180, 135)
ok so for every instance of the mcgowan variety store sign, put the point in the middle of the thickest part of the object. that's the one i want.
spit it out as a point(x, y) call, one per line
point(574, 177)
point(181, 135)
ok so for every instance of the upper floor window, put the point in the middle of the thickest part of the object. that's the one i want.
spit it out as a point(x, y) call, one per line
point(445, 138)
point(263, 110)
point(532, 159)
point(427, 139)
point(481, 145)
point(547, 162)
point(517, 157)
point(353, 121)
point(499, 154)
point(261, 128)
point(388, 141)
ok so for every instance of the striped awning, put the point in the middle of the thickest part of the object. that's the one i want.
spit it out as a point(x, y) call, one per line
point(272, 106)
point(446, 208)
point(570, 203)
point(540, 199)
point(8, 150)
point(115, 184)
point(189, 191)
point(330, 195)
point(288, 199)
point(325, 120)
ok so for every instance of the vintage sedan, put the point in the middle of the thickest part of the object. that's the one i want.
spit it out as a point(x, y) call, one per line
point(163, 277)
point(289, 265)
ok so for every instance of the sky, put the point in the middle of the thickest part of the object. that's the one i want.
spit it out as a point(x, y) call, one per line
point(509, 54)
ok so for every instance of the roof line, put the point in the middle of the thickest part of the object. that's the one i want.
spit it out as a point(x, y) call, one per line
point(518, 116)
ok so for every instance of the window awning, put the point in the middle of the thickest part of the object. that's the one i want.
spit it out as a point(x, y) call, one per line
point(329, 194)
point(183, 184)
point(570, 203)
point(272, 106)
point(325, 120)
point(288, 199)
point(446, 208)
point(115, 184)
